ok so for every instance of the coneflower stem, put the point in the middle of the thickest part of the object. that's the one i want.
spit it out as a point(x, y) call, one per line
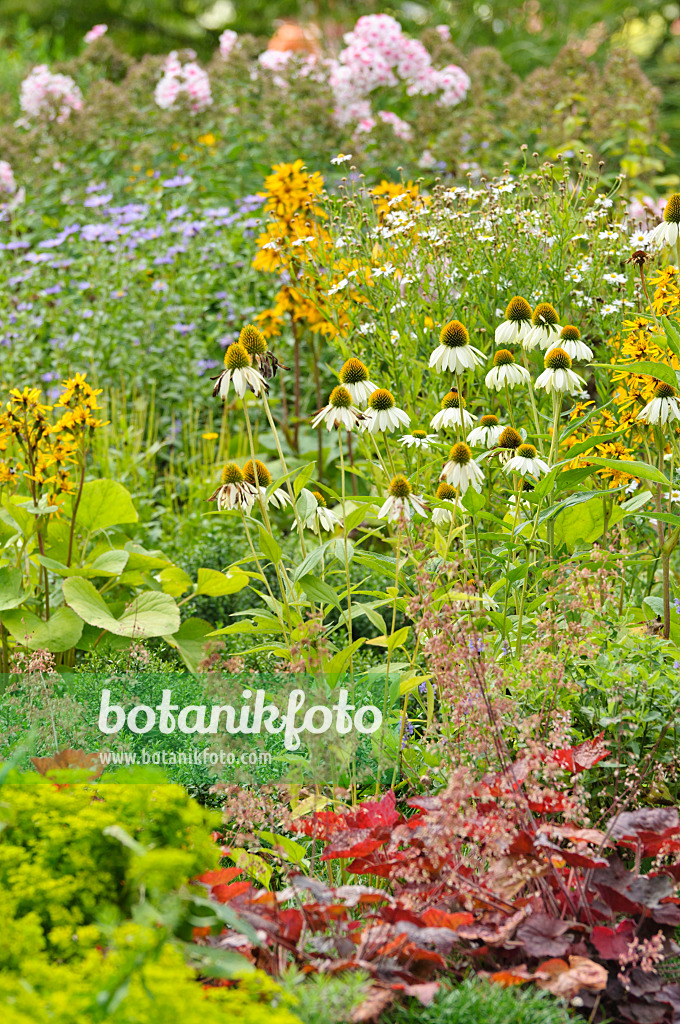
point(285, 470)
point(509, 404)
point(534, 410)
point(344, 537)
point(389, 655)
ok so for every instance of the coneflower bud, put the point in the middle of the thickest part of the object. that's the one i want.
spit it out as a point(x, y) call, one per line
point(237, 358)
point(557, 359)
point(340, 398)
point(353, 372)
point(518, 309)
point(510, 438)
point(232, 474)
point(445, 492)
point(454, 334)
point(503, 357)
point(671, 211)
point(264, 477)
point(381, 399)
point(570, 333)
point(460, 453)
point(399, 487)
point(544, 314)
point(253, 340)
point(452, 400)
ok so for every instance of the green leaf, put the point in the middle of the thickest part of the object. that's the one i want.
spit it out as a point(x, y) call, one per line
point(292, 851)
point(105, 503)
point(316, 590)
point(672, 334)
point(584, 523)
point(214, 583)
point(472, 501)
point(268, 546)
point(633, 468)
point(648, 369)
point(60, 633)
point(306, 504)
point(355, 518)
point(151, 613)
point(336, 665)
point(589, 443)
point(309, 563)
point(190, 640)
point(10, 588)
point(303, 477)
point(174, 581)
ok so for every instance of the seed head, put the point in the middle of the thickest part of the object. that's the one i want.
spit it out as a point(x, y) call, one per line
point(510, 438)
point(253, 340)
point(663, 390)
point(445, 492)
point(503, 357)
point(420, 434)
point(453, 400)
point(672, 210)
point(570, 333)
point(489, 420)
point(526, 451)
point(518, 309)
point(340, 398)
point(381, 399)
point(237, 358)
point(353, 372)
point(557, 359)
point(460, 453)
point(232, 474)
point(544, 314)
point(454, 334)
point(399, 487)
point(264, 477)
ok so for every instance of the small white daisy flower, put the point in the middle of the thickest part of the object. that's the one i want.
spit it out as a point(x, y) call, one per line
point(240, 372)
point(517, 323)
point(667, 231)
point(558, 375)
point(278, 498)
point(452, 413)
point(526, 462)
point(339, 412)
point(383, 414)
point(488, 432)
point(664, 406)
point(455, 354)
point(354, 377)
point(418, 439)
point(401, 502)
point(443, 515)
point(461, 470)
point(505, 371)
point(544, 327)
point(570, 341)
point(234, 490)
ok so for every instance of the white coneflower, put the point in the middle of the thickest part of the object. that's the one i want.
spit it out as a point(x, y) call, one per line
point(240, 372)
point(454, 353)
point(401, 502)
point(505, 371)
point(544, 327)
point(452, 413)
point(508, 443)
point(383, 414)
point(526, 462)
point(255, 344)
point(339, 411)
point(667, 231)
point(461, 470)
point(278, 498)
point(322, 518)
point(664, 406)
point(517, 323)
point(570, 341)
point(234, 490)
point(418, 439)
point(354, 376)
point(486, 435)
point(443, 515)
point(558, 375)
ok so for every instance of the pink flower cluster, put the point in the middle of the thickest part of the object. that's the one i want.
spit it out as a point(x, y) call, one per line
point(228, 41)
point(96, 32)
point(378, 54)
point(8, 185)
point(180, 80)
point(400, 128)
point(52, 96)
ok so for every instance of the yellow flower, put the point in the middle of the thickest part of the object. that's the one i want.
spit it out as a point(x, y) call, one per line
point(211, 436)
point(389, 195)
point(290, 188)
point(207, 140)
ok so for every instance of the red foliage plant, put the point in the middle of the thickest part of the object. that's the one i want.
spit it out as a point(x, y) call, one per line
point(492, 875)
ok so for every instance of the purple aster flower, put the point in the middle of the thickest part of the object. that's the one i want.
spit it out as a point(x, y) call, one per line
point(98, 200)
point(177, 181)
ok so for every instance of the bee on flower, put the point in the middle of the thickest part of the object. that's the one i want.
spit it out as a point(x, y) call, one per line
point(339, 412)
point(570, 341)
point(558, 375)
point(383, 413)
point(401, 502)
point(664, 406)
point(544, 327)
point(527, 463)
point(505, 372)
point(240, 372)
point(487, 433)
point(322, 518)
point(452, 413)
point(454, 353)
point(667, 231)
point(418, 439)
point(461, 471)
point(355, 377)
point(443, 515)
point(278, 498)
point(234, 490)
point(517, 324)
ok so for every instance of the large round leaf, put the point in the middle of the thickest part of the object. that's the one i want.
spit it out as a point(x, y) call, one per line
point(150, 614)
point(60, 633)
point(105, 503)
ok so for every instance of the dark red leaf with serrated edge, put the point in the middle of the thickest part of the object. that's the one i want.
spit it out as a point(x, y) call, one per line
point(290, 924)
point(357, 842)
point(612, 944)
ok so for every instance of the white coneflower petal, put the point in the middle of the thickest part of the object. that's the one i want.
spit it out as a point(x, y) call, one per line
point(505, 372)
point(527, 463)
point(664, 406)
point(544, 327)
point(666, 233)
point(517, 323)
point(558, 375)
point(354, 376)
point(418, 439)
point(461, 471)
point(339, 412)
point(487, 434)
point(570, 340)
point(452, 413)
point(322, 518)
point(401, 502)
point(234, 491)
point(454, 354)
point(382, 413)
point(239, 372)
